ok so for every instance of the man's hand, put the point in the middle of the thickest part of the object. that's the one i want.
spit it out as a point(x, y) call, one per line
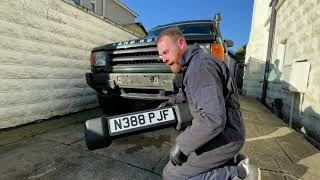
point(165, 104)
point(176, 156)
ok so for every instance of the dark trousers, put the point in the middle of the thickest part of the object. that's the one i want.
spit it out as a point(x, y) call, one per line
point(223, 173)
point(198, 164)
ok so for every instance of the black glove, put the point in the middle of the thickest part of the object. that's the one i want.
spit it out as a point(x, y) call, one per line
point(176, 156)
point(165, 104)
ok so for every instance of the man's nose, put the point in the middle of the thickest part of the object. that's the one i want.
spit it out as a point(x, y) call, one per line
point(164, 58)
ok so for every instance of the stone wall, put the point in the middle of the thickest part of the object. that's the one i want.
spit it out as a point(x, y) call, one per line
point(297, 37)
point(45, 47)
point(298, 29)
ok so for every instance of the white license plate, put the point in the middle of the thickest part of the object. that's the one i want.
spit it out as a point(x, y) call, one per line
point(144, 120)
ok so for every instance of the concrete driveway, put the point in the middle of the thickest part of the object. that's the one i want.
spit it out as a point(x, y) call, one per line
point(55, 149)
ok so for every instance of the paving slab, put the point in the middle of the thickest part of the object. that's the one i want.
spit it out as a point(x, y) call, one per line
point(36, 158)
point(66, 135)
point(161, 164)
point(15, 134)
point(167, 135)
point(88, 114)
point(12, 135)
point(149, 150)
point(272, 175)
point(280, 152)
point(141, 150)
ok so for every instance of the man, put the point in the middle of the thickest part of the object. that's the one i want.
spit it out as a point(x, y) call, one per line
point(217, 131)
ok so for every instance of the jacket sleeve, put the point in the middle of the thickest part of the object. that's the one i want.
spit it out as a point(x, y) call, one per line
point(178, 98)
point(206, 91)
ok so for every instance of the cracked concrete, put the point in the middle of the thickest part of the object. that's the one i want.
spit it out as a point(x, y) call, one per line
point(280, 152)
point(55, 149)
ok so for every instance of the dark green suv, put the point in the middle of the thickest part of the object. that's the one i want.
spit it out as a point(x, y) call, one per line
point(133, 70)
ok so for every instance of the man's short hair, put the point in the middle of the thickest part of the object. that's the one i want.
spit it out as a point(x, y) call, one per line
point(173, 32)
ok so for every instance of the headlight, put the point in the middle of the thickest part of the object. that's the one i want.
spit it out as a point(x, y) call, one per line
point(100, 58)
point(206, 47)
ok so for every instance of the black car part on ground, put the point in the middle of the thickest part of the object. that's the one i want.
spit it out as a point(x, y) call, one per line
point(98, 133)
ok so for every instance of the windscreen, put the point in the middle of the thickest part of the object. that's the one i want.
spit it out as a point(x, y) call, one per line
point(186, 29)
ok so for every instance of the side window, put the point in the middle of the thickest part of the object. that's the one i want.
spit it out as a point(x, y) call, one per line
point(93, 5)
point(280, 59)
point(276, 68)
point(281, 53)
point(77, 2)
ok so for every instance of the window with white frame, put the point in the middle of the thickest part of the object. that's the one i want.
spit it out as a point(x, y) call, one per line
point(77, 2)
point(93, 5)
point(281, 54)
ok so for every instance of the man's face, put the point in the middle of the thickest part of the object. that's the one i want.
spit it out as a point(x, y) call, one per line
point(170, 52)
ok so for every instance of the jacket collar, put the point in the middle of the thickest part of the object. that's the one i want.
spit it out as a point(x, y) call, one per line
point(188, 54)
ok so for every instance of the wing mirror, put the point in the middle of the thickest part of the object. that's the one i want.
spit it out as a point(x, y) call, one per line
point(229, 43)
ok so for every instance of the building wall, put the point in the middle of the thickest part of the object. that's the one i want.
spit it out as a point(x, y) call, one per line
point(297, 37)
point(256, 50)
point(137, 29)
point(113, 11)
point(117, 13)
point(45, 47)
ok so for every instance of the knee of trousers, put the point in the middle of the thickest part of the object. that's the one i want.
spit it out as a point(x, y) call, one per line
point(171, 172)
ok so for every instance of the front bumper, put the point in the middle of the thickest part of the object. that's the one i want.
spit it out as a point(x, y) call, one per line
point(144, 86)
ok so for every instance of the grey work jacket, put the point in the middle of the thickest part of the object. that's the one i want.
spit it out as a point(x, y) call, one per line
point(213, 99)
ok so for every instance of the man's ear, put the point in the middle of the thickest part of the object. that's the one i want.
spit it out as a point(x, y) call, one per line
point(181, 42)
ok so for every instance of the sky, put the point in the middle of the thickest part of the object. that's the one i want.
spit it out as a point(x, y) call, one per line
point(236, 14)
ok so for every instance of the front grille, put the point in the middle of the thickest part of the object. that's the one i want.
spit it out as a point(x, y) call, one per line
point(146, 55)
point(142, 62)
point(148, 91)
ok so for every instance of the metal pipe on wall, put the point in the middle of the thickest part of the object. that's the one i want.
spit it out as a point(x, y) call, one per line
point(273, 5)
point(291, 109)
